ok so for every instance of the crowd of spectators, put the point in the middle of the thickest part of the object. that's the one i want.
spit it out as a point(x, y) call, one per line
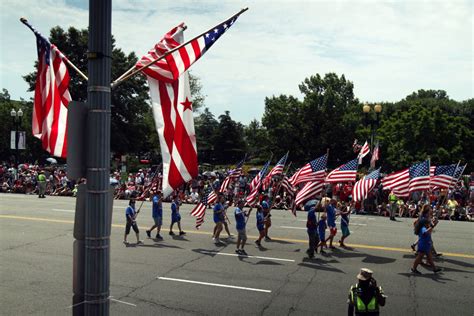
point(453, 204)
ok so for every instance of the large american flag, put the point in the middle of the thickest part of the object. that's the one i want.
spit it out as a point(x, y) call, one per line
point(276, 170)
point(173, 114)
point(419, 176)
point(365, 185)
point(233, 175)
point(315, 170)
point(397, 182)
point(309, 191)
point(364, 151)
point(199, 210)
point(49, 119)
point(258, 178)
point(345, 173)
point(442, 176)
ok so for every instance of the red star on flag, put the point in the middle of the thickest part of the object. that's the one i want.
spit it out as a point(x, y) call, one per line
point(187, 105)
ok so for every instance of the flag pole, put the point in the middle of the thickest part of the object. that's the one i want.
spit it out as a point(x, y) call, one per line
point(184, 27)
point(25, 21)
point(133, 73)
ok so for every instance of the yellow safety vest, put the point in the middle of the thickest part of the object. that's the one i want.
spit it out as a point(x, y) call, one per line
point(360, 306)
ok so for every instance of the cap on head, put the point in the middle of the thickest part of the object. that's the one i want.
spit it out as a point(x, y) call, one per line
point(365, 274)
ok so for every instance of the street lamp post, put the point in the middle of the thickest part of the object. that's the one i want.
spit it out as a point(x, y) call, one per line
point(374, 123)
point(16, 115)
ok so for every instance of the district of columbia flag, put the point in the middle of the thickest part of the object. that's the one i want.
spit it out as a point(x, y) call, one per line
point(49, 119)
point(365, 185)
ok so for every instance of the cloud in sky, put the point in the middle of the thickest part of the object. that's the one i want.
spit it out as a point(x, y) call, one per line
point(387, 48)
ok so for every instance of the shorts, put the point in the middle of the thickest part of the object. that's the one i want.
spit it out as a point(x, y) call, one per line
point(260, 228)
point(132, 225)
point(175, 218)
point(218, 219)
point(322, 237)
point(242, 234)
point(158, 220)
point(426, 249)
point(332, 231)
point(345, 231)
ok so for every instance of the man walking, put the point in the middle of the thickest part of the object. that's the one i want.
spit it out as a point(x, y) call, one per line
point(312, 230)
point(157, 214)
point(240, 224)
point(331, 215)
point(131, 216)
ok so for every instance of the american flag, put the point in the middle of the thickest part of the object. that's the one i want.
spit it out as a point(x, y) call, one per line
point(459, 171)
point(375, 156)
point(397, 182)
point(309, 191)
point(276, 170)
point(173, 114)
point(442, 176)
point(258, 178)
point(365, 185)
point(419, 176)
point(176, 63)
point(344, 173)
point(287, 186)
point(232, 176)
point(315, 170)
point(364, 151)
point(49, 119)
point(199, 210)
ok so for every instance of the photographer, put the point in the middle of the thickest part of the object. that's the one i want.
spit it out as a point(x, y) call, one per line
point(365, 297)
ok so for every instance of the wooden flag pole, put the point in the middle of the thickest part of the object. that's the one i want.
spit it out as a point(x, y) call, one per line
point(25, 21)
point(133, 73)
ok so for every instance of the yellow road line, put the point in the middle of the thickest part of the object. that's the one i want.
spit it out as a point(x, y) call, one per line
point(405, 250)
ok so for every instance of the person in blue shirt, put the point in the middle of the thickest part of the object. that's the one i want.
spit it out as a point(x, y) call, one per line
point(240, 224)
point(175, 216)
point(260, 225)
point(311, 228)
point(156, 214)
point(423, 230)
point(266, 213)
point(218, 218)
point(331, 215)
point(131, 215)
point(344, 224)
point(322, 232)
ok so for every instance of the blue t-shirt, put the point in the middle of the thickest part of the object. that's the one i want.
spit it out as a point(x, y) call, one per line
point(311, 225)
point(239, 219)
point(260, 218)
point(157, 208)
point(321, 228)
point(424, 240)
point(174, 208)
point(331, 213)
point(344, 220)
point(130, 211)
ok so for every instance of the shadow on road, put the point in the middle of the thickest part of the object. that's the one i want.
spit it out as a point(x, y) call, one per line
point(319, 264)
point(280, 241)
point(181, 238)
point(378, 259)
point(156, 245)
point(429, 275)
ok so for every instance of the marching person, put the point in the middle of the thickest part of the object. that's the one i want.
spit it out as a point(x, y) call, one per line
point(331, 216)
point(240, 223)
point(322, 232)
point(157, 214)
point(312, 230)
point(423, 230)
point(218, 218)
point(175, 216)
point(365, 297)
point(260, 225)
point(267, 216)
point(131, 216)
point(344, 225)
point(226, 221)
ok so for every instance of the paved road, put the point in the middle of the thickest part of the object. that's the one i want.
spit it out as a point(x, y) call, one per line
point(154, 278)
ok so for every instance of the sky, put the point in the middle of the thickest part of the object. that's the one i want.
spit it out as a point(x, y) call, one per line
point(388, 49)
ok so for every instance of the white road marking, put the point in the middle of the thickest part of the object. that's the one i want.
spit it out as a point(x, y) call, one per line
point(246, 256)
point(215, 284)
point(291, 227)
point(61, 210)
point(123, 302)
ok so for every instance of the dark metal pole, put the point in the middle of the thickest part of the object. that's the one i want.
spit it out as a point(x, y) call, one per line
point(97, 230)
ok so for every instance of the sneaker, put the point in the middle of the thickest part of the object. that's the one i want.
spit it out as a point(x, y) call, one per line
point(125, 242)
point(415, 271)
point(267, 238)
point(237, 251)
point(148, 233)
point(242, 252)
point(322, 251)
point(437, 270)
point(181, 233)
point(158, 236)
point(171, 234)
point(258, 243)
point(413, 247)
point(438, 254)
point(139, 242)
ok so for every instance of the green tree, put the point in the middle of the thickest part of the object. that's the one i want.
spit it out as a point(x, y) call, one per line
point(205, 127)
point(256, 139)
point(229, 144)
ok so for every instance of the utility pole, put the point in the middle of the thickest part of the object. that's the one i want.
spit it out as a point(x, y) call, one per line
point(98, 202)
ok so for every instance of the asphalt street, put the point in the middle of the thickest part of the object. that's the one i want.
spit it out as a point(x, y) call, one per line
point(190, 275)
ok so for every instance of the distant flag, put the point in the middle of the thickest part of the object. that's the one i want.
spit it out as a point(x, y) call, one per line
point(232, 176)
point(355, 146)
point(276, 170)
point(459, 171)
point(173, 114)
point(397, 182)
point(199, 210)
point(176, 63)
point(49, 119)
point(442, 176)
point(315, 170)
point(309, 191)
point(344, 173)
point(419, 176)
point(364, 151)
point(365, 185)
point(375, 155)
point(258, 178)
point(287, 186)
